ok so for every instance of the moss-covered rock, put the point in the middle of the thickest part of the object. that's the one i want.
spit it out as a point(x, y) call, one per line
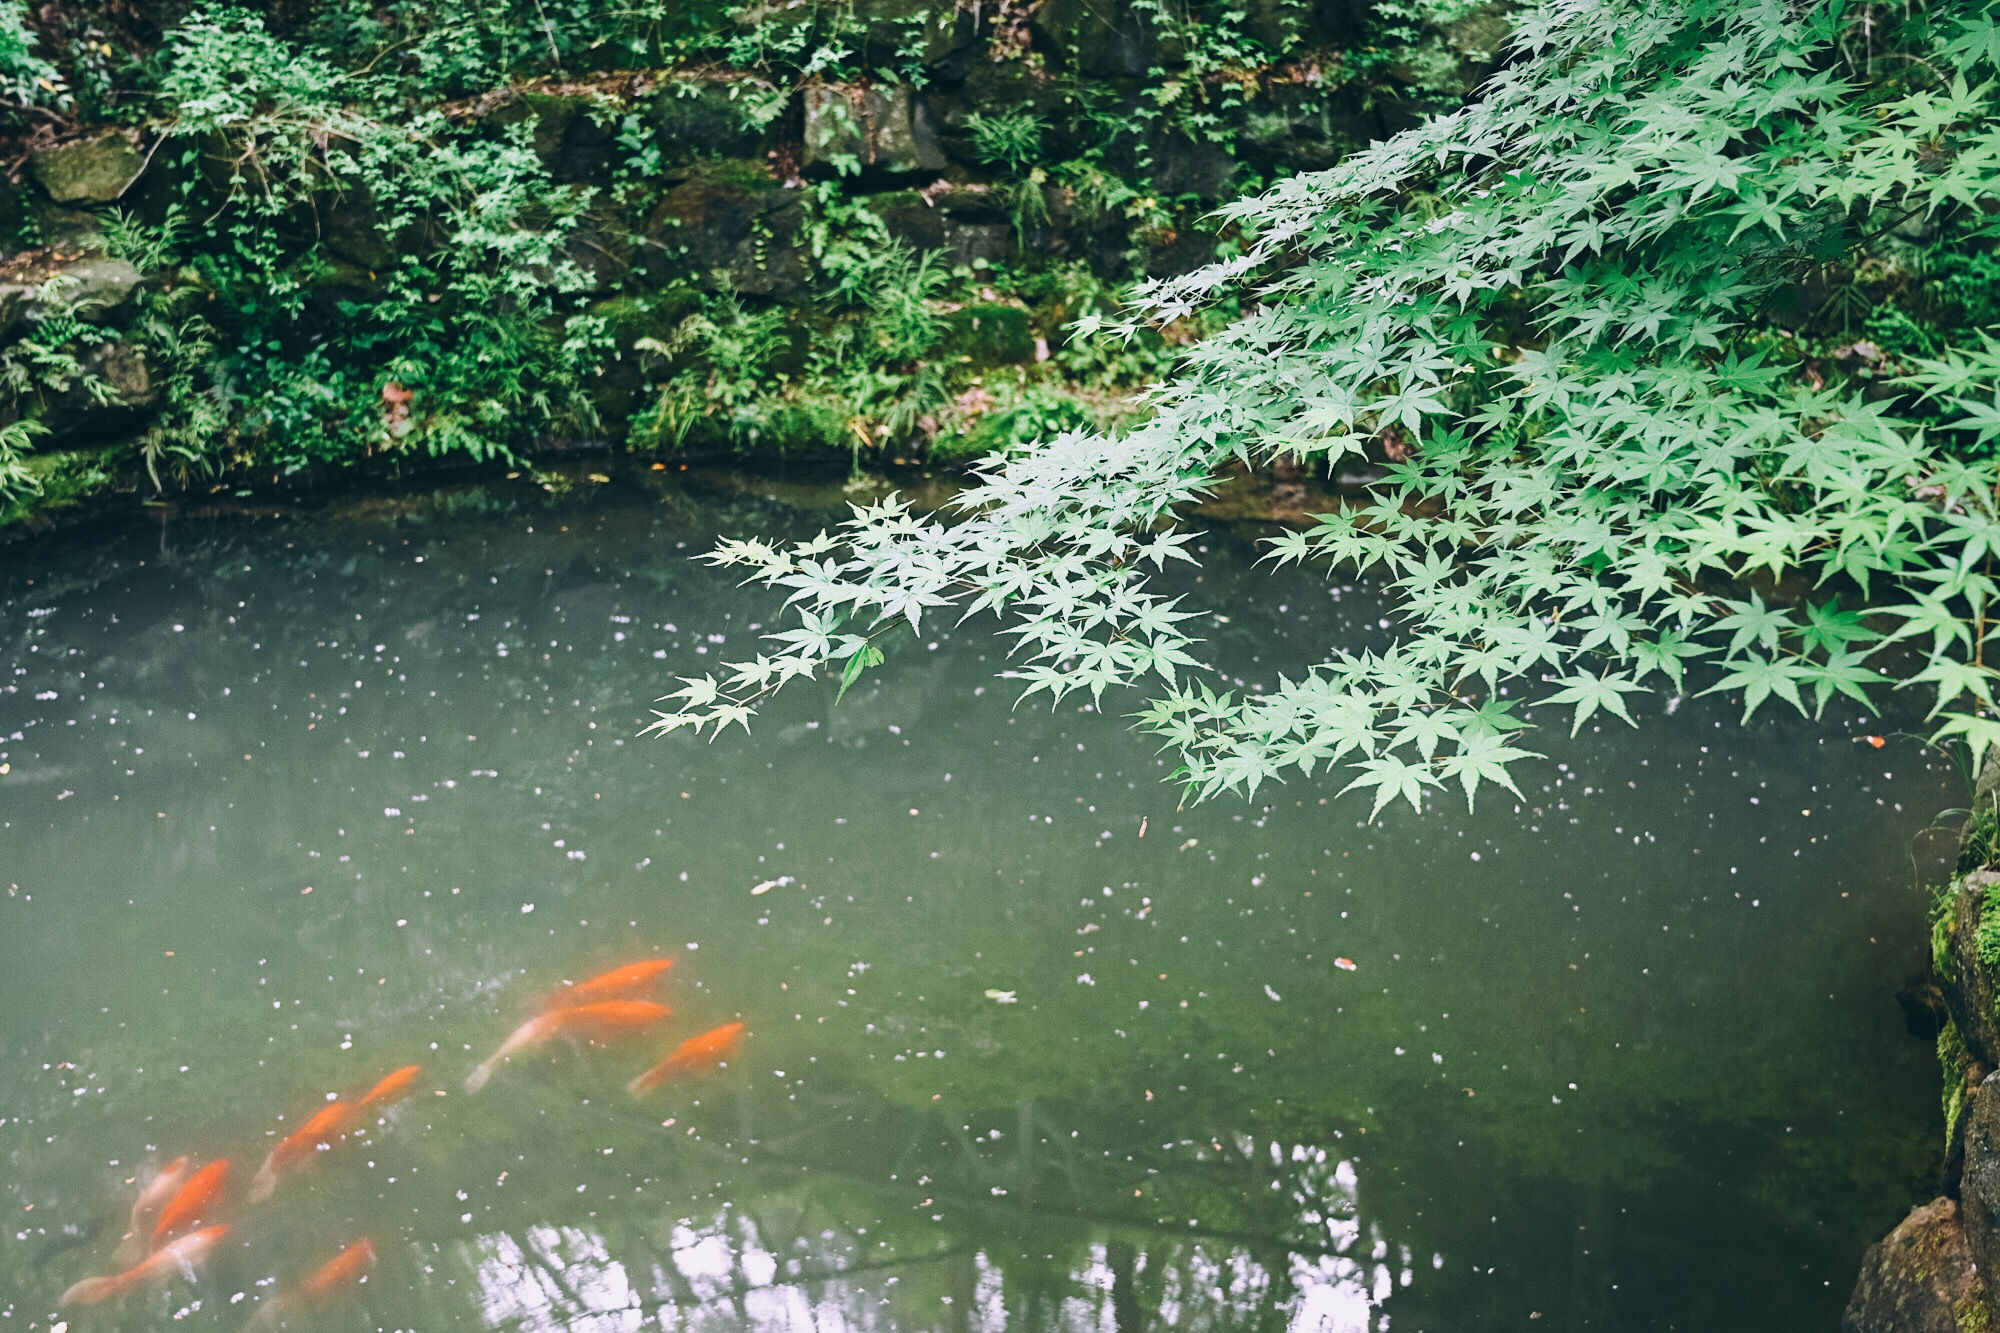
point(1920, 1279)
point(574, 133)
point(883, 129)
point(989, 334)
point(730, 226)
point(698, 120)
point(96, 170)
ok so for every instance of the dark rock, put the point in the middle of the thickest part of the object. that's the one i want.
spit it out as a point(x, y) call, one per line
point(1014, 87)
point(872, 128)
point(1099, 38)
point(1294, 127)
point(1924, 1010)
point(1194, 167)
point(974, 243)
point(1979, 1183)
point(1919, 1279)
point(574, 135)
point(894, 33)
point(699, 120)
point(1287, 25)
point(351, 230)
point(989, 335)
point(730, 226)
point(911, 218)
point(81, 414)
point(96, 170)
point(620, 383)
point(94, 285)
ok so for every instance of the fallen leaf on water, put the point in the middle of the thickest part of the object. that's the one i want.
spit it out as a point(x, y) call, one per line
point(769, 884)
point(1002, 996)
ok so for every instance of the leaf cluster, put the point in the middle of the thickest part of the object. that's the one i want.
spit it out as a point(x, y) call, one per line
point(1610, 474)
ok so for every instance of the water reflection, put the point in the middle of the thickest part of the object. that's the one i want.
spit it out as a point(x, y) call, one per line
point(289, 804)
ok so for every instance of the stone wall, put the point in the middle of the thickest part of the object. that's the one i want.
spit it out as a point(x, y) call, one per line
point(693, 195)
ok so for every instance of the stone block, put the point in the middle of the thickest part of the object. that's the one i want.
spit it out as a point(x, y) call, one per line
point(990, 335)
point(884, 129)
point(96, 170)
point(730, 226)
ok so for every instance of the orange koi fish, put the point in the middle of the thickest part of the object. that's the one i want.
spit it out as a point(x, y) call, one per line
point(193, 1202)
point(620, 983)
point(393, 1088)
point(593, 1022)
point(133, 1246)
point(327, 1126)
point(711, 1047)
point(179, 1257)
point(345, 1270)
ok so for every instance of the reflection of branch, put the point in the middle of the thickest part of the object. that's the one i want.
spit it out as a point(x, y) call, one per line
point(739, 1290)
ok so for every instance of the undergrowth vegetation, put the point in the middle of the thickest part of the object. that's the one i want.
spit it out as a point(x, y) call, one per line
point(1675, 337)
point(368, 234)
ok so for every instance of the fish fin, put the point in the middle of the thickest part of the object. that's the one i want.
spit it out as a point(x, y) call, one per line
point(91, 1290)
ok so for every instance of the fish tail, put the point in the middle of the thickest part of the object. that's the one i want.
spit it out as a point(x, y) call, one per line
point(131, 1249)
point(266, 1183)
point(92, 1290)
point(647, 1082)
point(479, 1077)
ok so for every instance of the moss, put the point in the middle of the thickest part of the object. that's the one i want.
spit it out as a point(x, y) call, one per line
point(67, 477)
point(1973, 1315)
point(1981, 840)
point(1953, 1060)
point(989, 334)
point(1986, 935)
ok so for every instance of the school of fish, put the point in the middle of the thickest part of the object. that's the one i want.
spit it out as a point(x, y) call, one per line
point(176, 1221)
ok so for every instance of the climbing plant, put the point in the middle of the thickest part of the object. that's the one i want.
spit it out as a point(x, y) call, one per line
point(1582, 317)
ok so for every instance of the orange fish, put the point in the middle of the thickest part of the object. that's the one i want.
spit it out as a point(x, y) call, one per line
point(345, 1270)
point(193, 1202)
point(1345, 964)
point(1875, 742)
point(711, 1047)
point(620, 983)
point(179, 1257)
point(327, 1126)
point(393, 1088)
point(594, 1022)
point(132, 1247)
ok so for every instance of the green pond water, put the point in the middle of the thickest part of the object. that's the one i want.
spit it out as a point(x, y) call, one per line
point(292, 799)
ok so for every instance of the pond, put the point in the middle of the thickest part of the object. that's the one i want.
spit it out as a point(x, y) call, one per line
point(292, 799)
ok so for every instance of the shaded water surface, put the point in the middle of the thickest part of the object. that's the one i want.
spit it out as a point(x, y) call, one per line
point(292, 800)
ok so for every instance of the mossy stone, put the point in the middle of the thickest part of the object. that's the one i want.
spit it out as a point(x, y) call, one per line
point(96, 170)
point(870, 128)
point(989, 334)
